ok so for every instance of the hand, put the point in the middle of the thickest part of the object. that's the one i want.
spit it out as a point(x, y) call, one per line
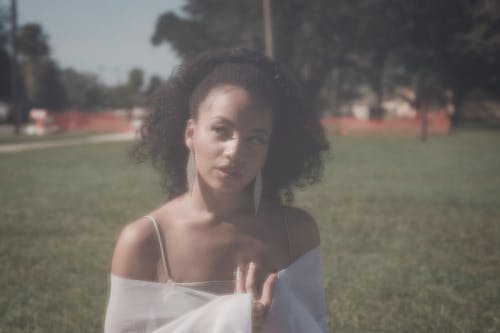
point(245, 283)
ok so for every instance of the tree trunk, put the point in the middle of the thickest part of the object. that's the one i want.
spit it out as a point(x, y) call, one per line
point(424, 123)
point(377, 110)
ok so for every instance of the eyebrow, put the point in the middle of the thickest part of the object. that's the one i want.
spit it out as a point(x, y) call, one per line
point(255, 130)
point(224, 119)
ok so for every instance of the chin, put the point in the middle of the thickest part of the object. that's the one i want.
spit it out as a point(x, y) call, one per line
point(220, 185)
point(228, 187)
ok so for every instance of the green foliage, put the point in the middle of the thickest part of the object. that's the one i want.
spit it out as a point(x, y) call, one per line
point(4, 56)
point(50, 92)
point(83, 90)
point(5, 77)
point(210, 24)
point(409, 233)
point(40, 74)
point(154, 83)
point(357, 39)
point(136, 79)
point(42, 84)
point(32, 42)
point(3, 26)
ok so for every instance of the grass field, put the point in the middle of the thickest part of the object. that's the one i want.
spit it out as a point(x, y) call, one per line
point(410, 233)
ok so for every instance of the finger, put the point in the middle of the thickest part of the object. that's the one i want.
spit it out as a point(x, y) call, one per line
point(259, 309)
point(240, 285)
point(250, 279)
point(267, 289)
point(257, 326)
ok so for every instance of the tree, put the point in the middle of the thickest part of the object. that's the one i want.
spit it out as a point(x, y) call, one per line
point(473, 59)
point(4, 57)
point(83, 90)
point(50, 93)
point(304, 42)
point(456, 44)
point(33, 42)
point(154, 83)
point(457, 40)
point(210, 24)
point(44, 88)
point(136, 79)
point(33, 49)
point(129, 94)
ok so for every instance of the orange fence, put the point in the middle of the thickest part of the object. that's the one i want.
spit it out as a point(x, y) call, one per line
point(438, 123)
point(102, 121)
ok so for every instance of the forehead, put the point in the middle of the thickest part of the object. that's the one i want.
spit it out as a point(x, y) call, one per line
point(235, 104)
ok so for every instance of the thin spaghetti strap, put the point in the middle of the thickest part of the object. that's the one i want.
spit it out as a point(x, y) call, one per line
point(163, 257)
point(290, 252)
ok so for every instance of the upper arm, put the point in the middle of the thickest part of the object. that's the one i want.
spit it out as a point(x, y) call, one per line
point(134, 256)
point(304, 231)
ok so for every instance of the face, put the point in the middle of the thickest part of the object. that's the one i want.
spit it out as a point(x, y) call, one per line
point(230, 138)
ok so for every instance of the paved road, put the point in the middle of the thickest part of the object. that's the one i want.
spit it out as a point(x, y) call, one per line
point(23, 146)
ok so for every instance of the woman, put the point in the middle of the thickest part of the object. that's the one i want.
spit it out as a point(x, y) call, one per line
point(231, 135)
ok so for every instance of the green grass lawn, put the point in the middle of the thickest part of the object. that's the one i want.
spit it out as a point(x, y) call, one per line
point(410, 232)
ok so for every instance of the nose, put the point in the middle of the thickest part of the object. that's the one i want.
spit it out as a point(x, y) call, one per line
point(233, 150)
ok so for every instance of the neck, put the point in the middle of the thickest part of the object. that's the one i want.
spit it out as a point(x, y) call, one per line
point(219, 204)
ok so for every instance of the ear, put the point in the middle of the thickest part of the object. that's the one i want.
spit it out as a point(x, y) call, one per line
point(188, 133)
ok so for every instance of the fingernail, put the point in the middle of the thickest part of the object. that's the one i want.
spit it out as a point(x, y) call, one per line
point(252, 264)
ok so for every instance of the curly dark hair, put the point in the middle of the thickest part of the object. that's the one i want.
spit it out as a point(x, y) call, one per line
point(297, 141)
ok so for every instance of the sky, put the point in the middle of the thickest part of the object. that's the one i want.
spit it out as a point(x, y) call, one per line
point(106, 37)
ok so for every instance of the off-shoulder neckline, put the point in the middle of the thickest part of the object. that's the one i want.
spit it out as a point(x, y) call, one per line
point(198, 283)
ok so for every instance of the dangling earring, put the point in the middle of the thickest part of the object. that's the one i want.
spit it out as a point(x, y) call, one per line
point(257, 191)
point(191, 171)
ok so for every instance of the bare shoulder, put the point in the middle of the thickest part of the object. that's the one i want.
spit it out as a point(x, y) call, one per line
point(135, 253)
point(303, 228)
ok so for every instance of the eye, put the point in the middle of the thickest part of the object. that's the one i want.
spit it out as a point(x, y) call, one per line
point(257, 140)
point(220, 130)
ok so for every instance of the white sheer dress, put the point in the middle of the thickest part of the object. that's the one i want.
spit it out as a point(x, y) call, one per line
point(298, 303)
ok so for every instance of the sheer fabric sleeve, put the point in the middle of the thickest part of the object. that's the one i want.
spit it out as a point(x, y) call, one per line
point(298, 305)
point(131, 307)
point(299, 300)
point(138, 306)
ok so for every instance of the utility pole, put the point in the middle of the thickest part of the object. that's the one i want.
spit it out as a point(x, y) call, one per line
point(268, 28)
point(13, 68)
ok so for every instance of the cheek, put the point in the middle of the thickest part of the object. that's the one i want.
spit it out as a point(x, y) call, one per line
point(206, 147)
point(258, 155)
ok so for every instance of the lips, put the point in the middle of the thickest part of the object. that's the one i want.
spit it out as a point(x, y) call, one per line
point(232, 172)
